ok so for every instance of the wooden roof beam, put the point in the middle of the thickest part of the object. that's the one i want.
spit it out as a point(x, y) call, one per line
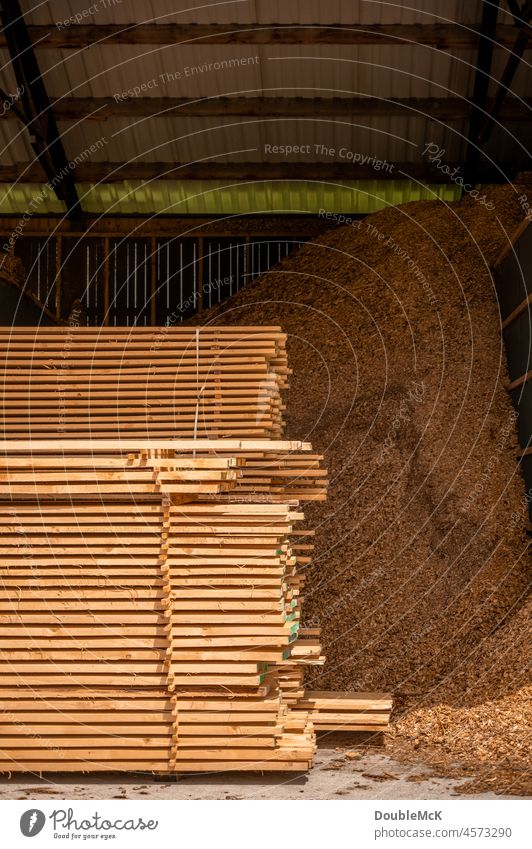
point(131, 106)
point(65, 35)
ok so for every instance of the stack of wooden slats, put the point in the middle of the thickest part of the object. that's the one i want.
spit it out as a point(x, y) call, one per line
point(82, 637)
point(150, 600)
point(281, 476)
point(113, 467)
point(42, 471)
point(130, 602)
point(336, 711)
point(142, 382)
point(233, 615)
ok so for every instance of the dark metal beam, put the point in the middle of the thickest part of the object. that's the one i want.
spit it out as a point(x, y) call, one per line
point(71, 35)
point(306, 225)
point(515, 9)
point(488, 28)
point(112, 172)
point(35, 107)
point(520, 45)
point(437, 108)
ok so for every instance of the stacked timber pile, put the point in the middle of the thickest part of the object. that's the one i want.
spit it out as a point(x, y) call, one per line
point(82, 678)
point(146, 634)
point(50, 470)
point(142, 382)
point(421, 569)
point(234, 611)
point(333, 711)
point(151, 589)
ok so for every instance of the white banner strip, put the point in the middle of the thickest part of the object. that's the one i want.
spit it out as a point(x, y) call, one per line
point(263, 825)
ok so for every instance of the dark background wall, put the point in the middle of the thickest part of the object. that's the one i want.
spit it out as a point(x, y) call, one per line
point(17, 310)
point(513, 279)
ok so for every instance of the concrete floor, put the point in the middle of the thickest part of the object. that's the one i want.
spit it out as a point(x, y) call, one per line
point(338, 773)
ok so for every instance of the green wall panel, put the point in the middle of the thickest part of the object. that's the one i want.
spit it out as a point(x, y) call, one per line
point(199, 197)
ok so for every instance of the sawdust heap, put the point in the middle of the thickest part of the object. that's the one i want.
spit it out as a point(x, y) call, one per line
point(420, 571)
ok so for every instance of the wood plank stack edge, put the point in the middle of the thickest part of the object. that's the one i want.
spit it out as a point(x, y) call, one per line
point(151, 572)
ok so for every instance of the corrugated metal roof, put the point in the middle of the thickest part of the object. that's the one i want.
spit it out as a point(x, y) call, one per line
point(194, 71)
point(304, 71)
point(387, 72)
point(15, 145)
point(262, 11)
point(178, 71)
point(252, 139)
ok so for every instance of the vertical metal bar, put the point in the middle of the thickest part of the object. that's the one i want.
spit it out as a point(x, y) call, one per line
point(106, 281)
point(91, 283)
point(219, 277)
point(58, 266)
point(167, 275)
point(199, 282)
point(128, 291)
point(147, 288)
point(180, 277)
point(248, 260)
point(153, 280)
point(37, 266)
point(208, 276)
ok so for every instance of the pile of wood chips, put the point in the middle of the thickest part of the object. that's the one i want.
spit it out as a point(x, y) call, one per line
point(420, 576)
